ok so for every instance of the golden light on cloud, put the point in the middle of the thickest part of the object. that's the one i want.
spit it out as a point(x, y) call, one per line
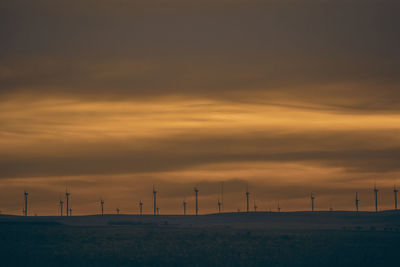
point(282, 151)
point(53, 118)
point(186, 94)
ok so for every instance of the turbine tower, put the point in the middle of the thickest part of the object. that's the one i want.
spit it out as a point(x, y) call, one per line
point(219, 203)
point(395, 191)
point(67, 199)
point(117, 211)
point(312, 202)
point(26, 203)
point(61, 207)
point(196, 192)
point(357, 201)
point(247, 199)
point(184, 206)
point(255, 206)
point(141, 207)
point(102, 207)
point(279, 207)
point(376, 198)
point(155, 200)
point(70, 212)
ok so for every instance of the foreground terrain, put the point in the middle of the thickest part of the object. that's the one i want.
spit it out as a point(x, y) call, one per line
point(209, 240)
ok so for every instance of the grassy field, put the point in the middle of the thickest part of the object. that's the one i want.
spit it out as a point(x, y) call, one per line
point(53, 244)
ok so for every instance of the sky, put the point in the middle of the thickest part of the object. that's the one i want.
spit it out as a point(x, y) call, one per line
point(286, 98)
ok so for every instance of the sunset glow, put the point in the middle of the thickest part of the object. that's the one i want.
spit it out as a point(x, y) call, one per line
point(184, 94)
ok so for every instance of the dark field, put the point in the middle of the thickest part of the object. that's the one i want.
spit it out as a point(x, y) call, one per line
point(48, 241)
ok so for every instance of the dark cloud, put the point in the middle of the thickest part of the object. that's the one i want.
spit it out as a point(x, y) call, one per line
point(353, 151)
point(336, 53)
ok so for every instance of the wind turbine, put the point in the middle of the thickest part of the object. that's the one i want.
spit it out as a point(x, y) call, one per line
point(196, 192)
point(61, 207)
point(26, 203)
point(184, 206)
point(67, 199)
point(247, 199)
point(155, 200)
point(357, 201)
point(376, 198)
point(312, 202)
point(255, 206)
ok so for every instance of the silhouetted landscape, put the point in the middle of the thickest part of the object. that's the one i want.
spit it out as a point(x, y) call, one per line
point(199, 133)
point(231, 239)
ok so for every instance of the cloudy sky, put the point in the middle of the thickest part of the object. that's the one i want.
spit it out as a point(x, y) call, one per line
point(108, 97)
